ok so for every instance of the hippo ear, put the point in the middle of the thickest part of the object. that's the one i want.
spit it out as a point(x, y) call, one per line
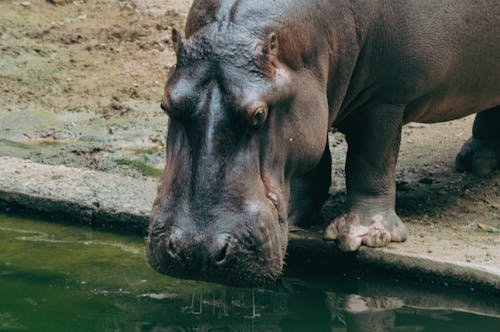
point(271, 44)
point(177, 40)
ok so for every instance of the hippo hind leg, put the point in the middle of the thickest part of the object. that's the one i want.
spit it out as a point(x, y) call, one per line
point(481, 153)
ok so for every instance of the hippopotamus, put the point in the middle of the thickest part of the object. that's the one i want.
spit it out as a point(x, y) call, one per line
point(256, 88)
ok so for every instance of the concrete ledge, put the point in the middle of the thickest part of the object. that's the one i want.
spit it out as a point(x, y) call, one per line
point(465, 273)
point(112, 201)
point(308, 245)
point(84, 196)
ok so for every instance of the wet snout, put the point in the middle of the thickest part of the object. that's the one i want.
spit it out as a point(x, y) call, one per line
point(238, 248)
point(216, 249)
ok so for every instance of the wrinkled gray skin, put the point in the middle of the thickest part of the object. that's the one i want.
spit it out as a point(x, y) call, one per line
point(256, 88)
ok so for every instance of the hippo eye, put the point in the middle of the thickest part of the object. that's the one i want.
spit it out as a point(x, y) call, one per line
point(259, 117)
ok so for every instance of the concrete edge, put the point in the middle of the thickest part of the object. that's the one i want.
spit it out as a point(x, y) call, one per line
point(447, 272)
point(34, 198)
point(75, 212)
point(464, 275)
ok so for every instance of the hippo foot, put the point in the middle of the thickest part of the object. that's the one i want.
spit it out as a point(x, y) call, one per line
point(350, 232)
point(481, 157)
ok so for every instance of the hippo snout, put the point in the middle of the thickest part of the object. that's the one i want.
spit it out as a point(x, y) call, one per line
point(235, 250)
point(217, 250)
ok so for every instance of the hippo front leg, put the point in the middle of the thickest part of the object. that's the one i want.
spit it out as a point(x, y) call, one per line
point(373, 144)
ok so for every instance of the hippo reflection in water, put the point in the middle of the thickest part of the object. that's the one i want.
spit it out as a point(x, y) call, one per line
point(256, 88)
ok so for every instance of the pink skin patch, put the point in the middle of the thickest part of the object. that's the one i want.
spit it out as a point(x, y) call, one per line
point(350, 234)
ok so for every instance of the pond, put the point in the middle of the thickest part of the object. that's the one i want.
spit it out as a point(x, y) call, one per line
point(60, 277)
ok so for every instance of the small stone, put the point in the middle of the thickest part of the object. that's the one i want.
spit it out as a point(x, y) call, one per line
point(59, 2)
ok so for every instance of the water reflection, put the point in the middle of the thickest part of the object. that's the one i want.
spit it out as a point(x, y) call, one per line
point(360, 313)
point(65, 278)
point(295, 306)
point(230, 309)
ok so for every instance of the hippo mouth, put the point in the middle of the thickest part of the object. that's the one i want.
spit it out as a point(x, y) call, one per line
point(251, 255)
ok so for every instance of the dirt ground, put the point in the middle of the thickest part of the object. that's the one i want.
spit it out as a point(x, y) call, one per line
point(81, 82)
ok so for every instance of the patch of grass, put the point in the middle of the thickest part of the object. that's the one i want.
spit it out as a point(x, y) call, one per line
point(14, 144)
point(54, 143)
point(141, 166)
point(152, 150)
point(49, 143)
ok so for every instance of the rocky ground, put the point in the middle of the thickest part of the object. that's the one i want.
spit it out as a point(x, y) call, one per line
point(81, 81)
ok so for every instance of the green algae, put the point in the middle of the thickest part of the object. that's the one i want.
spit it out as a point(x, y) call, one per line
point(140, 166)
point(15, 144)
point(149, 151)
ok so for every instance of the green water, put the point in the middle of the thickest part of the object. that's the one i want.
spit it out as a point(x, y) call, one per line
point(56, 277)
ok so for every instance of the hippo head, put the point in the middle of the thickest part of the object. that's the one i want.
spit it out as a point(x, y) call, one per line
point(243, 123)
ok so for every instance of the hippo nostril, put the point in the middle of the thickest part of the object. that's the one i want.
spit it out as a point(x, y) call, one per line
point(223, 248)
point(171, 249)
point(174, 242)
point(221, 256)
